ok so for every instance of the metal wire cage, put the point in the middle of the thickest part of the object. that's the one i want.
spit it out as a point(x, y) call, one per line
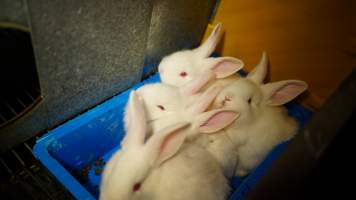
point(19, 84)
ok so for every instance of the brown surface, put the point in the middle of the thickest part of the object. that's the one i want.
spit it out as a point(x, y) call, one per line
point(314, 41)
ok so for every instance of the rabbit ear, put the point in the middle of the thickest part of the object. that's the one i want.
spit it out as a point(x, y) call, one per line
point(259, 73)
point(215, 120)
point(135, 121)
point(165, 143)
point(224, 66)
point(203, 101)
point(193, 86)
point(279, 93)
point(207, 48)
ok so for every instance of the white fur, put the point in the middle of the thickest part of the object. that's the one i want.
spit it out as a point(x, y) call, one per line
point(202, 74)
point(196, 63)
point(263, 123)
point(222, 148)
point(192, 174)
point(178, 108)
point(165, 167)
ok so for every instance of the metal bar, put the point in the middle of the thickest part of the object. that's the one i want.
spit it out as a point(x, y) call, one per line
point(11, 109)
point(6, 166)
point(3, 118)
point(18, 157)
point(32, 99)
point(22, 104)
point(38, 182)
point(38, 89)
point(28, 148)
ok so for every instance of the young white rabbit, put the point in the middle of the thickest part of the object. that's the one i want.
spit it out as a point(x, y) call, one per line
point(162, 166)
point(262, 122)
point(165, 105)
point(196, 67)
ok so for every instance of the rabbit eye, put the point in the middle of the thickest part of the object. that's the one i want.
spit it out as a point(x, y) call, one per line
point(183, 74)
point(249, 100)
point(161, 107)
point(136, 187)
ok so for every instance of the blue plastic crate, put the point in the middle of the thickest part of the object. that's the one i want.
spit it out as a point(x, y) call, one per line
point(72, 152)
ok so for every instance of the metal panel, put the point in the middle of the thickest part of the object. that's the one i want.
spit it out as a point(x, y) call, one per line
point(13, 11)
point(86, 52)
point(176, 25)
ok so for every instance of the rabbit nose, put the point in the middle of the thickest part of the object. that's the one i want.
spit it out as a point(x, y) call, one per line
point(226, 99)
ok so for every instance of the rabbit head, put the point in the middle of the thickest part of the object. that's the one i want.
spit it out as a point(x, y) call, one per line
point(165, 105)
point(182, 67)
point(127, 169)
point(160, 100)
point(250, 97)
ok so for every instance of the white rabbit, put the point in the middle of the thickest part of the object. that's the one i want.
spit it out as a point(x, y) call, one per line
point(165, 105)
point(162, 166)
point(187, 66)
point(262, 122)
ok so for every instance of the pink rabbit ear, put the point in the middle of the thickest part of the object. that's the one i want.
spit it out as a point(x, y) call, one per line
point(166, 143)
point(207, 48)
point(224, 66)
point(258, 74)
point(279, 93)
point(214, 121)
point(135, 121)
